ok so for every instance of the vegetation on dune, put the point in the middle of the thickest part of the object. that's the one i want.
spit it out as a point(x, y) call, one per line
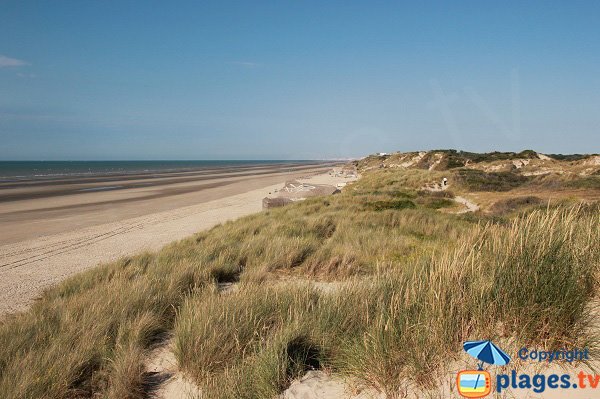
point(570, 157)
point(587, 182)
point(89, 334)
point(503, 207)
point(563, 182)
point(478, 180)
point(458, 159)
point(392, 277)
point(435, 199)
point(501, 281)
point(452, 159)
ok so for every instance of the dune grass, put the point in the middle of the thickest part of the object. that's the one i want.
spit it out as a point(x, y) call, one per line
point(396, 285)
point(518, 282)
point(89, 334)
point(478, 180)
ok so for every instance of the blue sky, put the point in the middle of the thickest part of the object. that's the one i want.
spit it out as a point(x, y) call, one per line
point(295, 79)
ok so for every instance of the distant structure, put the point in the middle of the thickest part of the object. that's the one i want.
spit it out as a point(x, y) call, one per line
point(268, 202)
point(445, 181)
point(294, 191)
point(382, 154)
point(347, 172)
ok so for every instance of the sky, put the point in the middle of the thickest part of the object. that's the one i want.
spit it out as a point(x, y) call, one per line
point(117, 80)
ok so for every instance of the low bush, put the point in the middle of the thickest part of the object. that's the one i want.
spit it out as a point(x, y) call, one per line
point(477, 180)
point(390, 204)
point(509, 205)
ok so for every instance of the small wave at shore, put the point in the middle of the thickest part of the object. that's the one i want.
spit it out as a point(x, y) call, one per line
point(42, 170)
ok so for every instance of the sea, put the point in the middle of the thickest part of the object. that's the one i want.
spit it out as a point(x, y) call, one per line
point(33, 170)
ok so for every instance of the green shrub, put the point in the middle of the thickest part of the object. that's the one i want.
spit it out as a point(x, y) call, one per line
point(390, 204)
point(477, 180)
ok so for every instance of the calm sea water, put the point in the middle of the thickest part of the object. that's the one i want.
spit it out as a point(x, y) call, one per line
point(17, 170)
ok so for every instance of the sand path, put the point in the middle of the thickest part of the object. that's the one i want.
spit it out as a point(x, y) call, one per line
point(167, 381)
point(321, 385)
point(470, 206)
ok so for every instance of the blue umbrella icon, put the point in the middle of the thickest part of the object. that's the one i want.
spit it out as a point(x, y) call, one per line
point(486, 352)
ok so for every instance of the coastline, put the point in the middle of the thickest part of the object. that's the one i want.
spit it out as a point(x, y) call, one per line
point(30, 265)
point(38, 208)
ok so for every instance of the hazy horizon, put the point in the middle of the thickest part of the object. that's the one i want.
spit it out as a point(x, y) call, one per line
point(263, 81)
point(280, 160)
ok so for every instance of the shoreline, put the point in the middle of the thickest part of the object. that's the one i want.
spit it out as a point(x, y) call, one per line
point(46, 208)
point(29, 266)
point(70, 185)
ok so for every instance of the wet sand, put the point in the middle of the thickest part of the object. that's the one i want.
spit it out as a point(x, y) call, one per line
point(50, 231)
point(36, 208)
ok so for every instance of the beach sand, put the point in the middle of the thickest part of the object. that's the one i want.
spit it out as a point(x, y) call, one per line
point(57, 231)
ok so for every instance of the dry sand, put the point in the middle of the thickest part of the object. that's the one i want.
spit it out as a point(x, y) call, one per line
point(320, 385)
point(48, 239)
point(166, 381)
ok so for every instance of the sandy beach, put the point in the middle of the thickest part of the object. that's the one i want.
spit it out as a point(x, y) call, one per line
point(54, 229)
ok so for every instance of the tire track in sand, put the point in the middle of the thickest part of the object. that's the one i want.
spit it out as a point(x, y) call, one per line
point(29, 267)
